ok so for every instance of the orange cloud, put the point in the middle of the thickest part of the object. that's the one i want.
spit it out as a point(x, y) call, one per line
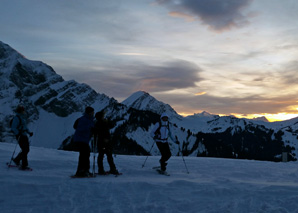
point(182, 15)
point(200, 93)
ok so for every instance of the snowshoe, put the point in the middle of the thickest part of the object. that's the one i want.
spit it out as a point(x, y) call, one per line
point(25, 168)
point(83, 174)
point(162, 172)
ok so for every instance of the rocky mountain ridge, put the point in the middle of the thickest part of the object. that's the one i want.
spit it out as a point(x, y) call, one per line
point(53, 104)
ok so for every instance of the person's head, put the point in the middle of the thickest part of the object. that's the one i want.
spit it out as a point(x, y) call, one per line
point(100, 115)
point(20, 109)
point(164, 117)
point(89, 110)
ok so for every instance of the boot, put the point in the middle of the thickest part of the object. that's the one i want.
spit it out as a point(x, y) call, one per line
point(82, 173)
point(17, 163)
point(163, 165)
point(114, 172)
point(101, 172)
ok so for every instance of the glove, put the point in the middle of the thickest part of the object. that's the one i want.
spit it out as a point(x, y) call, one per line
point(30, 133)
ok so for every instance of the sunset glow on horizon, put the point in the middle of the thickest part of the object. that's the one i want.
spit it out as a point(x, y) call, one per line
point(229, 57)
point(269, 117)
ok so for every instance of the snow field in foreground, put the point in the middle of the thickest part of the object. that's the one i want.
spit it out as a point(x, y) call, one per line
point(213, 185)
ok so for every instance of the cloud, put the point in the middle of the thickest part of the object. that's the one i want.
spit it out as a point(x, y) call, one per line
point(172, 75)
point(182, 15)
point(288, 76)
point(200, 93)
point(190, 104)
point(219, 15)
point(121, 80)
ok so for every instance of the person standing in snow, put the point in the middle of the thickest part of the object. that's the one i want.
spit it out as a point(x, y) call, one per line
point(104, 146)
point(20, 130)
point(161, 132)
point(84, 127)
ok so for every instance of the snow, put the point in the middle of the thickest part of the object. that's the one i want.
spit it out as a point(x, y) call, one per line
point(50, 128)
point(134, 97)
point(213, 185)
point(144, 101)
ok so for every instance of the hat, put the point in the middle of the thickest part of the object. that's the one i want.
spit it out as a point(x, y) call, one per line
point(89, 110)
point(164, 115)
point(20, 109)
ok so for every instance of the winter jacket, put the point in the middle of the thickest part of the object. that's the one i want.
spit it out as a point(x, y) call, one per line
point(19, 125)
point(102, 133)
point(84, 129)
point(164, 131)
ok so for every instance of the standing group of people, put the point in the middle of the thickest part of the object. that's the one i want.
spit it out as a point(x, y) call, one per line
point(86, 128)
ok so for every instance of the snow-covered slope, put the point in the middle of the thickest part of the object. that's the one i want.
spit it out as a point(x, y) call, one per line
point(213, 185)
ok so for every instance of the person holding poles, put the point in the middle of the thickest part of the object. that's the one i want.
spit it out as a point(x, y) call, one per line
point(84, 127)
point(104, 145)
point(160, 133)
point(21, 131)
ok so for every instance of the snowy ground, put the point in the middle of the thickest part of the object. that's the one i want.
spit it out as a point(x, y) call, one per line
point(213, 185)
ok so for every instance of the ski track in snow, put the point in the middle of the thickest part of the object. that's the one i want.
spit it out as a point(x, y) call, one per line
point(214, 185)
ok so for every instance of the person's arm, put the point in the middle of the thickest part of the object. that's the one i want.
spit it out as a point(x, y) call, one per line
point(14, 126)
point(25, 129)
point(171, 135)
point(75, 125)
point(152, 134)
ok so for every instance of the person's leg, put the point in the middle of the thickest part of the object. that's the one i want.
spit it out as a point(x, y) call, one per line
point(22, 156)
point(165, 154)
point(111, 161)
point(100, 161)
point(84, 159)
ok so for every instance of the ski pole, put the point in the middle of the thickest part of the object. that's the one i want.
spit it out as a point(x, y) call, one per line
point(13, 152)
point(182, 156)
point(148, 155)
point(94, 156)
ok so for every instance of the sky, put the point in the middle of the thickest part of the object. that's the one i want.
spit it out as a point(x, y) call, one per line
point(226, 57)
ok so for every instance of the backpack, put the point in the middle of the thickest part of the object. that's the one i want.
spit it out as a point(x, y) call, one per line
point(20, 121)
point(157, 131)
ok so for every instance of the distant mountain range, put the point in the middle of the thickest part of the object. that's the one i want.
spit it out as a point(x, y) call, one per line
point(53, 104)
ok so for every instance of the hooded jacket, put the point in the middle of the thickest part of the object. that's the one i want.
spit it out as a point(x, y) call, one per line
point(84, 129)
point(19, 125)
point(164, 131)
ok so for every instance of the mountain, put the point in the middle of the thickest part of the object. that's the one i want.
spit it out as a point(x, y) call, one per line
point(262, 118)
point(144, 101)
point(53, 105)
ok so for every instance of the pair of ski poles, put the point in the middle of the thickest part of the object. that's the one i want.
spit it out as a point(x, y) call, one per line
point(179, 151)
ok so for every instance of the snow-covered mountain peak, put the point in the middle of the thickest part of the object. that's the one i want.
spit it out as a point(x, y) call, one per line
point(204, 114)
point(135, 97)
point(262, 118)
point(144, 101)
point(8, 58)
point(6, 51)
point(40, 89)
